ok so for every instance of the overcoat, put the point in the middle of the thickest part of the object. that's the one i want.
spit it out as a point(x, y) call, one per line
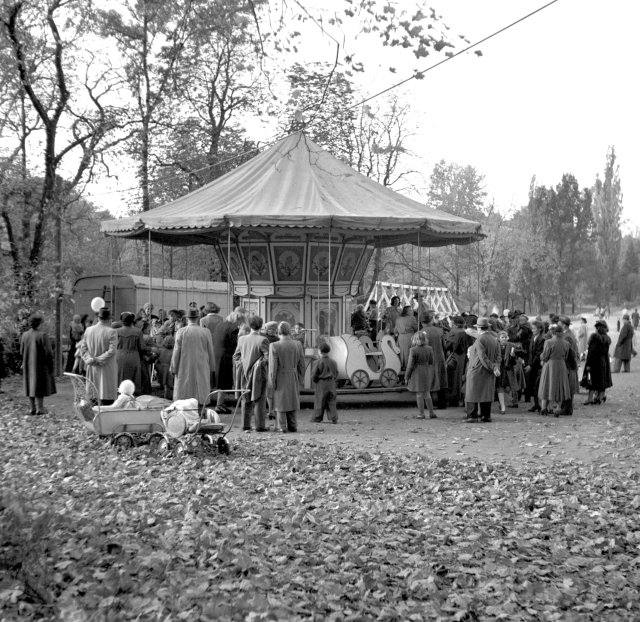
point(191, 363)
point(37, 364)
point(252, 352)
point(98, 350)
point(435, 336)
point(129, 355)
point(625, 342)
point(457, 342)
point(554, 379)
point(405, 327)
point(225, 341)
point(483, 359)
point(286, 373)
point(598, 363)
point(419, 373)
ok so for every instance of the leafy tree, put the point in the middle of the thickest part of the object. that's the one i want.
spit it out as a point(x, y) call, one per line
point(562, 217)
point(607, 214)
point(62, 120)
point(629, 285)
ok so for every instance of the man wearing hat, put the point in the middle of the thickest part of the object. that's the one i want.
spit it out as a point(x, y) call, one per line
point(252, 354)
point(192, 360)
point(98, 351)
point(37, 365)
point(624, 348)
point(482, 370)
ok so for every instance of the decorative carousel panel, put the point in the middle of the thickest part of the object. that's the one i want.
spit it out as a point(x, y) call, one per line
point(322, 263)
point(256, 258)
point(360, 270)
point(346, 269)
point(231, 260)
point(327, 317)
point(288, 261)
point(282, 310)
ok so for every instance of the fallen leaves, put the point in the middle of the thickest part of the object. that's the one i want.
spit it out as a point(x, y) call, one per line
point(290, 529)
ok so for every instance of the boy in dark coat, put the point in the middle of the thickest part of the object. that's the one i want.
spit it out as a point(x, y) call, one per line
point(325, 376)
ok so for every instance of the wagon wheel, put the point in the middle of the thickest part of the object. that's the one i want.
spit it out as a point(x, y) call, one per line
point(223, 446)
point(388, 378)
point(123, 442)
point(154, 442)
point(360, 379)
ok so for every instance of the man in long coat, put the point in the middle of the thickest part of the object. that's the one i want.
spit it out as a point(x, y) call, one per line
point(192, 360)
point(482, 370)
point(98, 351)
point(37, 365)
point(252, 353)
point(286, 374)
point(624, 347)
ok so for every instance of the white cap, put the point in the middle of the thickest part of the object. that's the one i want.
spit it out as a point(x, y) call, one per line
point(127, 387)
point(506, 312)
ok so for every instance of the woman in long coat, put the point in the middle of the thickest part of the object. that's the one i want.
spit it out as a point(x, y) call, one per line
point(130, 351)
point(192, 360)
point(556, 358)
point(405, 327)
point(419, 373)
point(534, 368)
point(37, 365)
point(508, 382)
point(225, 341)
point(286, 375)
point(435, 338)
point(597, 366)
point(457, 342)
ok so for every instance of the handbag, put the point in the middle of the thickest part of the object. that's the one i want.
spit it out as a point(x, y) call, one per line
point(585, 383)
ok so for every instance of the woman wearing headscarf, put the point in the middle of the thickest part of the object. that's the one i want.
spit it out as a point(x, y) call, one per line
point(37, 365)
point(597, 369)
point(557, 356)
point(405, 327)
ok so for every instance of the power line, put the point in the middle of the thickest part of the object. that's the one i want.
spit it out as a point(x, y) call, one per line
point(415, 76)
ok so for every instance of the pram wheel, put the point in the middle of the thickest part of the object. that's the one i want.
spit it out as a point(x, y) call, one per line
point(123, 442)
point(181, 448)
point(163, 446)
point(154, 442)
point(223, 446)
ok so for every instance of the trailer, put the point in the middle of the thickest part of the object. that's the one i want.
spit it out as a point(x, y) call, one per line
point(129, 292)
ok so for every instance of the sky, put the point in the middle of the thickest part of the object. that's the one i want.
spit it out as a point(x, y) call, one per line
point(548, 96)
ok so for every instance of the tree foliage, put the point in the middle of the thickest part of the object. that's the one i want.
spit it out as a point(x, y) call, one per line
point(607, 215)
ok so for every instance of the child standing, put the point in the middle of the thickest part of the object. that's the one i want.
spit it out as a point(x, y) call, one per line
point(420, 373)
point(325, 376)
point(165, 377)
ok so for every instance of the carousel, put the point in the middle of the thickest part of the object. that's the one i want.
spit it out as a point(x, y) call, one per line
point(295, 229)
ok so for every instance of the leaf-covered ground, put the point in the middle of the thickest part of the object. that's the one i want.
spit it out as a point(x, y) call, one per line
point(320, 526)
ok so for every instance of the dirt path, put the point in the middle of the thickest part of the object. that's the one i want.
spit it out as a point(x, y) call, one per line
point(385, 423)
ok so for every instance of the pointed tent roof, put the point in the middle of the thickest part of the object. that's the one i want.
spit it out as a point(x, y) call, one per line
point(296, 184)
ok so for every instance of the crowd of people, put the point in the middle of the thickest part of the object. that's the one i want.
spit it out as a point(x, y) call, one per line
point(446, 361)
point(508, 359)
point(197, 355)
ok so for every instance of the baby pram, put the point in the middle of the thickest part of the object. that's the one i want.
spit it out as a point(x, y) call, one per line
point(187, 429)
point(125, 427)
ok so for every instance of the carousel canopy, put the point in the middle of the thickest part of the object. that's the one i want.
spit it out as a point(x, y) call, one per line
point(295, 184)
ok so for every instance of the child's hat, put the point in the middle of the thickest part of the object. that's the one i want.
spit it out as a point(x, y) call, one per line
point(127, 388)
